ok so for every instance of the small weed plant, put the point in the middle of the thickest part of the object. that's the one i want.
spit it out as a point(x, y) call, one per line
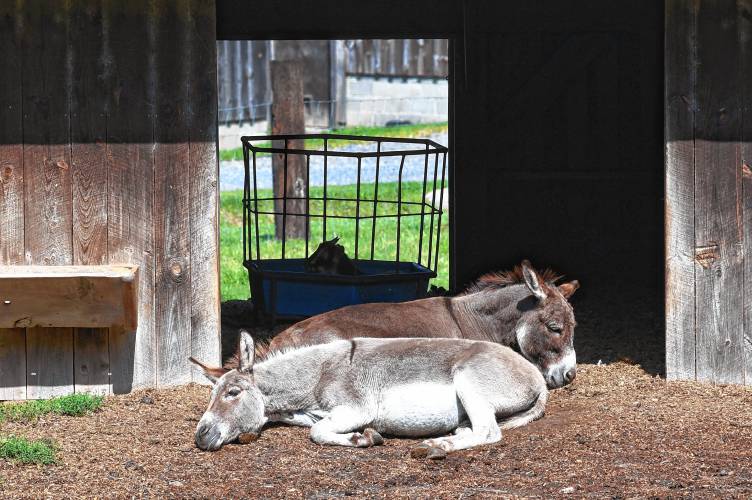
point(27, 451)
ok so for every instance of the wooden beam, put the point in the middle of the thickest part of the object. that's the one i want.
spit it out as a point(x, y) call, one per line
point(68, 296)
point(680, 189)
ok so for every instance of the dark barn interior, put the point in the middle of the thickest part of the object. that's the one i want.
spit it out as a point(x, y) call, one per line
point(556, 142)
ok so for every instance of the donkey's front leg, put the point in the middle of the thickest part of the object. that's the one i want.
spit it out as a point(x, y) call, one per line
point(336, 428)
point(482, 417)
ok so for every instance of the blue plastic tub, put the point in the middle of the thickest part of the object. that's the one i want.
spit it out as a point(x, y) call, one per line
point(283, 288)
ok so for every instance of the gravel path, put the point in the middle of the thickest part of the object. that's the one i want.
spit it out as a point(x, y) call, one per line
point(339, 170)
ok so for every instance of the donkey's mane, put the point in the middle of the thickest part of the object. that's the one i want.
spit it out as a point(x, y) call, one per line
point(501, 279)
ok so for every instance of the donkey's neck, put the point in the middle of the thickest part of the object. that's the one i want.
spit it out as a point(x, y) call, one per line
point(491, 314)
point(288, 381)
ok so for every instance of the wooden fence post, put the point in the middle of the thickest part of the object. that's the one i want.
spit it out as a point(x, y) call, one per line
point(288, 117)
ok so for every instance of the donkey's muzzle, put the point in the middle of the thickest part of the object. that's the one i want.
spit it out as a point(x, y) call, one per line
point(570, 375)
point(208, 438)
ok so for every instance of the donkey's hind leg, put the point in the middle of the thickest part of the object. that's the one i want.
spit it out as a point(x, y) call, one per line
point(479, 410)
point(525, 417)
point(336, 429)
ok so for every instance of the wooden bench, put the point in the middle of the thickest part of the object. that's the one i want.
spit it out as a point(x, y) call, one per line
point(69, 296)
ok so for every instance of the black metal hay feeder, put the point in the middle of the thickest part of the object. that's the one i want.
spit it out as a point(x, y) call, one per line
point(281, 286)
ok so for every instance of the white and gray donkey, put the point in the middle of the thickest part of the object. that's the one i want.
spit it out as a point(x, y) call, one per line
point(350, 391)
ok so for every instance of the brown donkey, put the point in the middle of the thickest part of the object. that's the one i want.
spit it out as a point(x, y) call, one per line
point(522, 308)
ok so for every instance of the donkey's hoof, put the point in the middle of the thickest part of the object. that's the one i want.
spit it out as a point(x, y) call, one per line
point(368, 438)
point(426, 451)
point(373, 436)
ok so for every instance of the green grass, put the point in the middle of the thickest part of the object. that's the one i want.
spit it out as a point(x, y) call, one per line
point(25, 451)
point(73, 405)
point(235, 277)
point(41, 451)
point(418, 130)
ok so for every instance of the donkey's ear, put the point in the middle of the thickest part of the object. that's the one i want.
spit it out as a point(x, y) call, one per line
point(209, 372)
point(532, 280)
point(246, 352)
point(568, 289)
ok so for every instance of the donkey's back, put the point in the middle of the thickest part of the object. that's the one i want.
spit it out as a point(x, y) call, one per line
point(427, 318)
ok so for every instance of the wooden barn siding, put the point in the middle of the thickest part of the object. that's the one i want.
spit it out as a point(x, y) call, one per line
point(707, 207)
point(403, 57)
point(244, 80)
point(108, 155)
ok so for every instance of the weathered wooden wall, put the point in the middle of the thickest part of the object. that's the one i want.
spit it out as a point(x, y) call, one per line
point(244, 78)
point(708, 212)
point(108, 155)
point(400, 58)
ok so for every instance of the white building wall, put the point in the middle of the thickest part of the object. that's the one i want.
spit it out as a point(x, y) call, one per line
point(374, 101)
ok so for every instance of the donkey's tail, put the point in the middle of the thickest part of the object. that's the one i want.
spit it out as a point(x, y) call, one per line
point(525, 417)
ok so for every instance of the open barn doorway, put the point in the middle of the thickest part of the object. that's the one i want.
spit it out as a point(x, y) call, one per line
point(556, 138)
point(561, 116)
point(387, 96)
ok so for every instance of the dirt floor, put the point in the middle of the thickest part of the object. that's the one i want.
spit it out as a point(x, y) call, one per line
point(620, 430)
point(615, 432)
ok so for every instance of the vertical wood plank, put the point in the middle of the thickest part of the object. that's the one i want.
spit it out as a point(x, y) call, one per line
point(47, 180)
point(91, 359)
point(88, 129)
point(204, 188)
point(49, 362)
point(171, 194)
point(130, 165)
point(718, 231)
point(247, 49)
point(11, 148)
point(12, 341)
point(745, 30)
point(680, 99)
point(338, 92)
point(47, 172)
point(261, 90)
point(237, 80)
point(12, 364)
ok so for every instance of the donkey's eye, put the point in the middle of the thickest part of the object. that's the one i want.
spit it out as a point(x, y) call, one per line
point(554, 327)
point(235, 391)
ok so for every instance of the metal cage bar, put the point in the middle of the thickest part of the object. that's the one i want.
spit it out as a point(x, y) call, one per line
point(423, 198)
point(429, 213)
point(375, 199)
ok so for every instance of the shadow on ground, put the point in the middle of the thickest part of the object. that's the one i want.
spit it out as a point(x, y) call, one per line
point(619, 324)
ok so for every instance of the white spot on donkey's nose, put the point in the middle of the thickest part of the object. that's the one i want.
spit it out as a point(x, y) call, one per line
point(563, 372)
